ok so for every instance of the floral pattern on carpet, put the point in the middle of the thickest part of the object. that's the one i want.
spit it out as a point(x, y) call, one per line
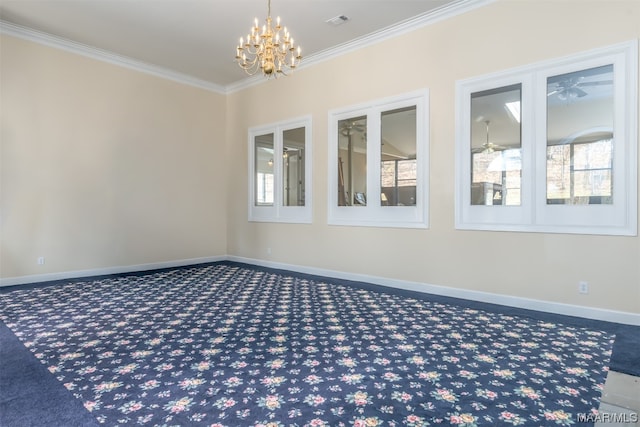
point(230, 345)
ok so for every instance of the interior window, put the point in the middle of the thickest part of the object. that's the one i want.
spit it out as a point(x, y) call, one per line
point(264, 170)
point(399, 169)
point(293, 161)
point(378, 176)
point(352, 161)
point(579, 137)
point(496, 146)
point(280, 172)
point(552, 146)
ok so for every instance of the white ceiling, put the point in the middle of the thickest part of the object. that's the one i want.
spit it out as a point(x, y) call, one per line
point(197, 38)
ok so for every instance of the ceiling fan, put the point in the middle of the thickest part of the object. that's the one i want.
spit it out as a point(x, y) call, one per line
point(348, 128)
point(573, 87)
point(488, 147)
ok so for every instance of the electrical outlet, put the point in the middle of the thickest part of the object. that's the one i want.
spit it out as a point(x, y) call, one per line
point(40, 260)
point(583, 287)
point(268, 251)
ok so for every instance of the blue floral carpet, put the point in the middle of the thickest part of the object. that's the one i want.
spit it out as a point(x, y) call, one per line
point(227, 345)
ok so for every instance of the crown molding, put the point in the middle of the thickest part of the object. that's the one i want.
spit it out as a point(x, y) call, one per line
point(411, 24)
point(46, 39)
point(414, 23)
point(419, 21)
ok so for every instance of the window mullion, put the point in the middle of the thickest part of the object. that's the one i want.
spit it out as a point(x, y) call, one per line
point(374, 158)
point(278, 200)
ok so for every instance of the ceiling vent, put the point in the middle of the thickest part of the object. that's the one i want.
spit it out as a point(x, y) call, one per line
point(338, 20)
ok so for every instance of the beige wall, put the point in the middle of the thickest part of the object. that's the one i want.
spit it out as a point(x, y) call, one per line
point(499, 36)
point(103, 166)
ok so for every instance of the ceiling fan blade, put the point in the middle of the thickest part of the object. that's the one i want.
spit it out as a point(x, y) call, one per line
point(602, 82)
point(553, 92)
point(579, 92)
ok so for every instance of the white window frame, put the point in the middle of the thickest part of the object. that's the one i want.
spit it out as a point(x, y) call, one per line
point(534, 214)
point(374, 214)
point(492, 217)
point(278, 212)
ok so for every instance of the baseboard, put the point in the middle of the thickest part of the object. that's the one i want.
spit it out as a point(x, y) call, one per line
point(47, 277)
point(486, 297)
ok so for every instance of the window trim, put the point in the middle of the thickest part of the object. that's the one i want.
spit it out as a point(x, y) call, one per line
point(481, 217)
point(374, 214)
point(535, 215)
point(278, 212)
point(620, 217)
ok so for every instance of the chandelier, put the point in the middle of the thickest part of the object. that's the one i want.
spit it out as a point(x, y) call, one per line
point(266, 50)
